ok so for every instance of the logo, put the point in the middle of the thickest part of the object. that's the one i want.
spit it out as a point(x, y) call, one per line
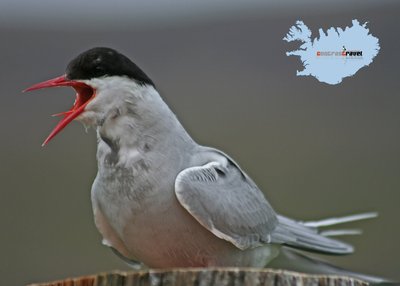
point(344, 53)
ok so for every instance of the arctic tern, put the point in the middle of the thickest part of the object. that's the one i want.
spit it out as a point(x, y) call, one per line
point(163, 200)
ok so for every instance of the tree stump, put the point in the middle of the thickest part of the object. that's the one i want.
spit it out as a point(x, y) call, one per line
point(207, 277)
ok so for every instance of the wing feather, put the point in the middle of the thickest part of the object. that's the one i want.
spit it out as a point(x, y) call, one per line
point(226, 202)
point(222, 198)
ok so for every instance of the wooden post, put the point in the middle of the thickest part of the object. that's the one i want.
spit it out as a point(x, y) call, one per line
point(207, 277)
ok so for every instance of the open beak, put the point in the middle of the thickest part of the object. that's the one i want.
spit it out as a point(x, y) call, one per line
point(84, 94)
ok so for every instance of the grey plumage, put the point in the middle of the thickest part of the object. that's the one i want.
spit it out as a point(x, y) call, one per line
point(226, 201)
point(160, 198)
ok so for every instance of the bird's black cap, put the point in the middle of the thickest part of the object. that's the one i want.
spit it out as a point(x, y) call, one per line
point(99, 62)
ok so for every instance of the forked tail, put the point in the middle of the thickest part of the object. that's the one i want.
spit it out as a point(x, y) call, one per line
point(292, 260)
point(308, 235)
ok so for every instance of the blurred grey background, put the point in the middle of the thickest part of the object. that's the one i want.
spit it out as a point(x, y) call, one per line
point(316, 150)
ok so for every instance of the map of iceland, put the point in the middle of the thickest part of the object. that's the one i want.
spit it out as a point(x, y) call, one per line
point(335, 55)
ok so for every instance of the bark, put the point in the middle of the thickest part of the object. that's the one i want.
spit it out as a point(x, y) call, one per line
point(207, 277)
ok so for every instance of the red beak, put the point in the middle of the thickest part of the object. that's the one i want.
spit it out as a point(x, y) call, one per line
point(84, 93)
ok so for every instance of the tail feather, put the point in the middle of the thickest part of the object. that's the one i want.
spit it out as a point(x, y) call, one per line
point(295, 234)
point(340, 220)
point(307, 236)
point(289, 259)
point(340, 232)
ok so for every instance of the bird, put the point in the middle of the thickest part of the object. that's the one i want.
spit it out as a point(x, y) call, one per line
point(162, 200)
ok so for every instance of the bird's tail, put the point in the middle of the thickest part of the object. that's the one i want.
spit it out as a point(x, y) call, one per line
point(292, 260)
point(339, 220)
point(309, 235)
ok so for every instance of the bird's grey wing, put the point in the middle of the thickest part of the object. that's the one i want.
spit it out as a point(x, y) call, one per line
point(226, 201)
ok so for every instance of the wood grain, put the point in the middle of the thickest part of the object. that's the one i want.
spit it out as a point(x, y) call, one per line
point(207, 277)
